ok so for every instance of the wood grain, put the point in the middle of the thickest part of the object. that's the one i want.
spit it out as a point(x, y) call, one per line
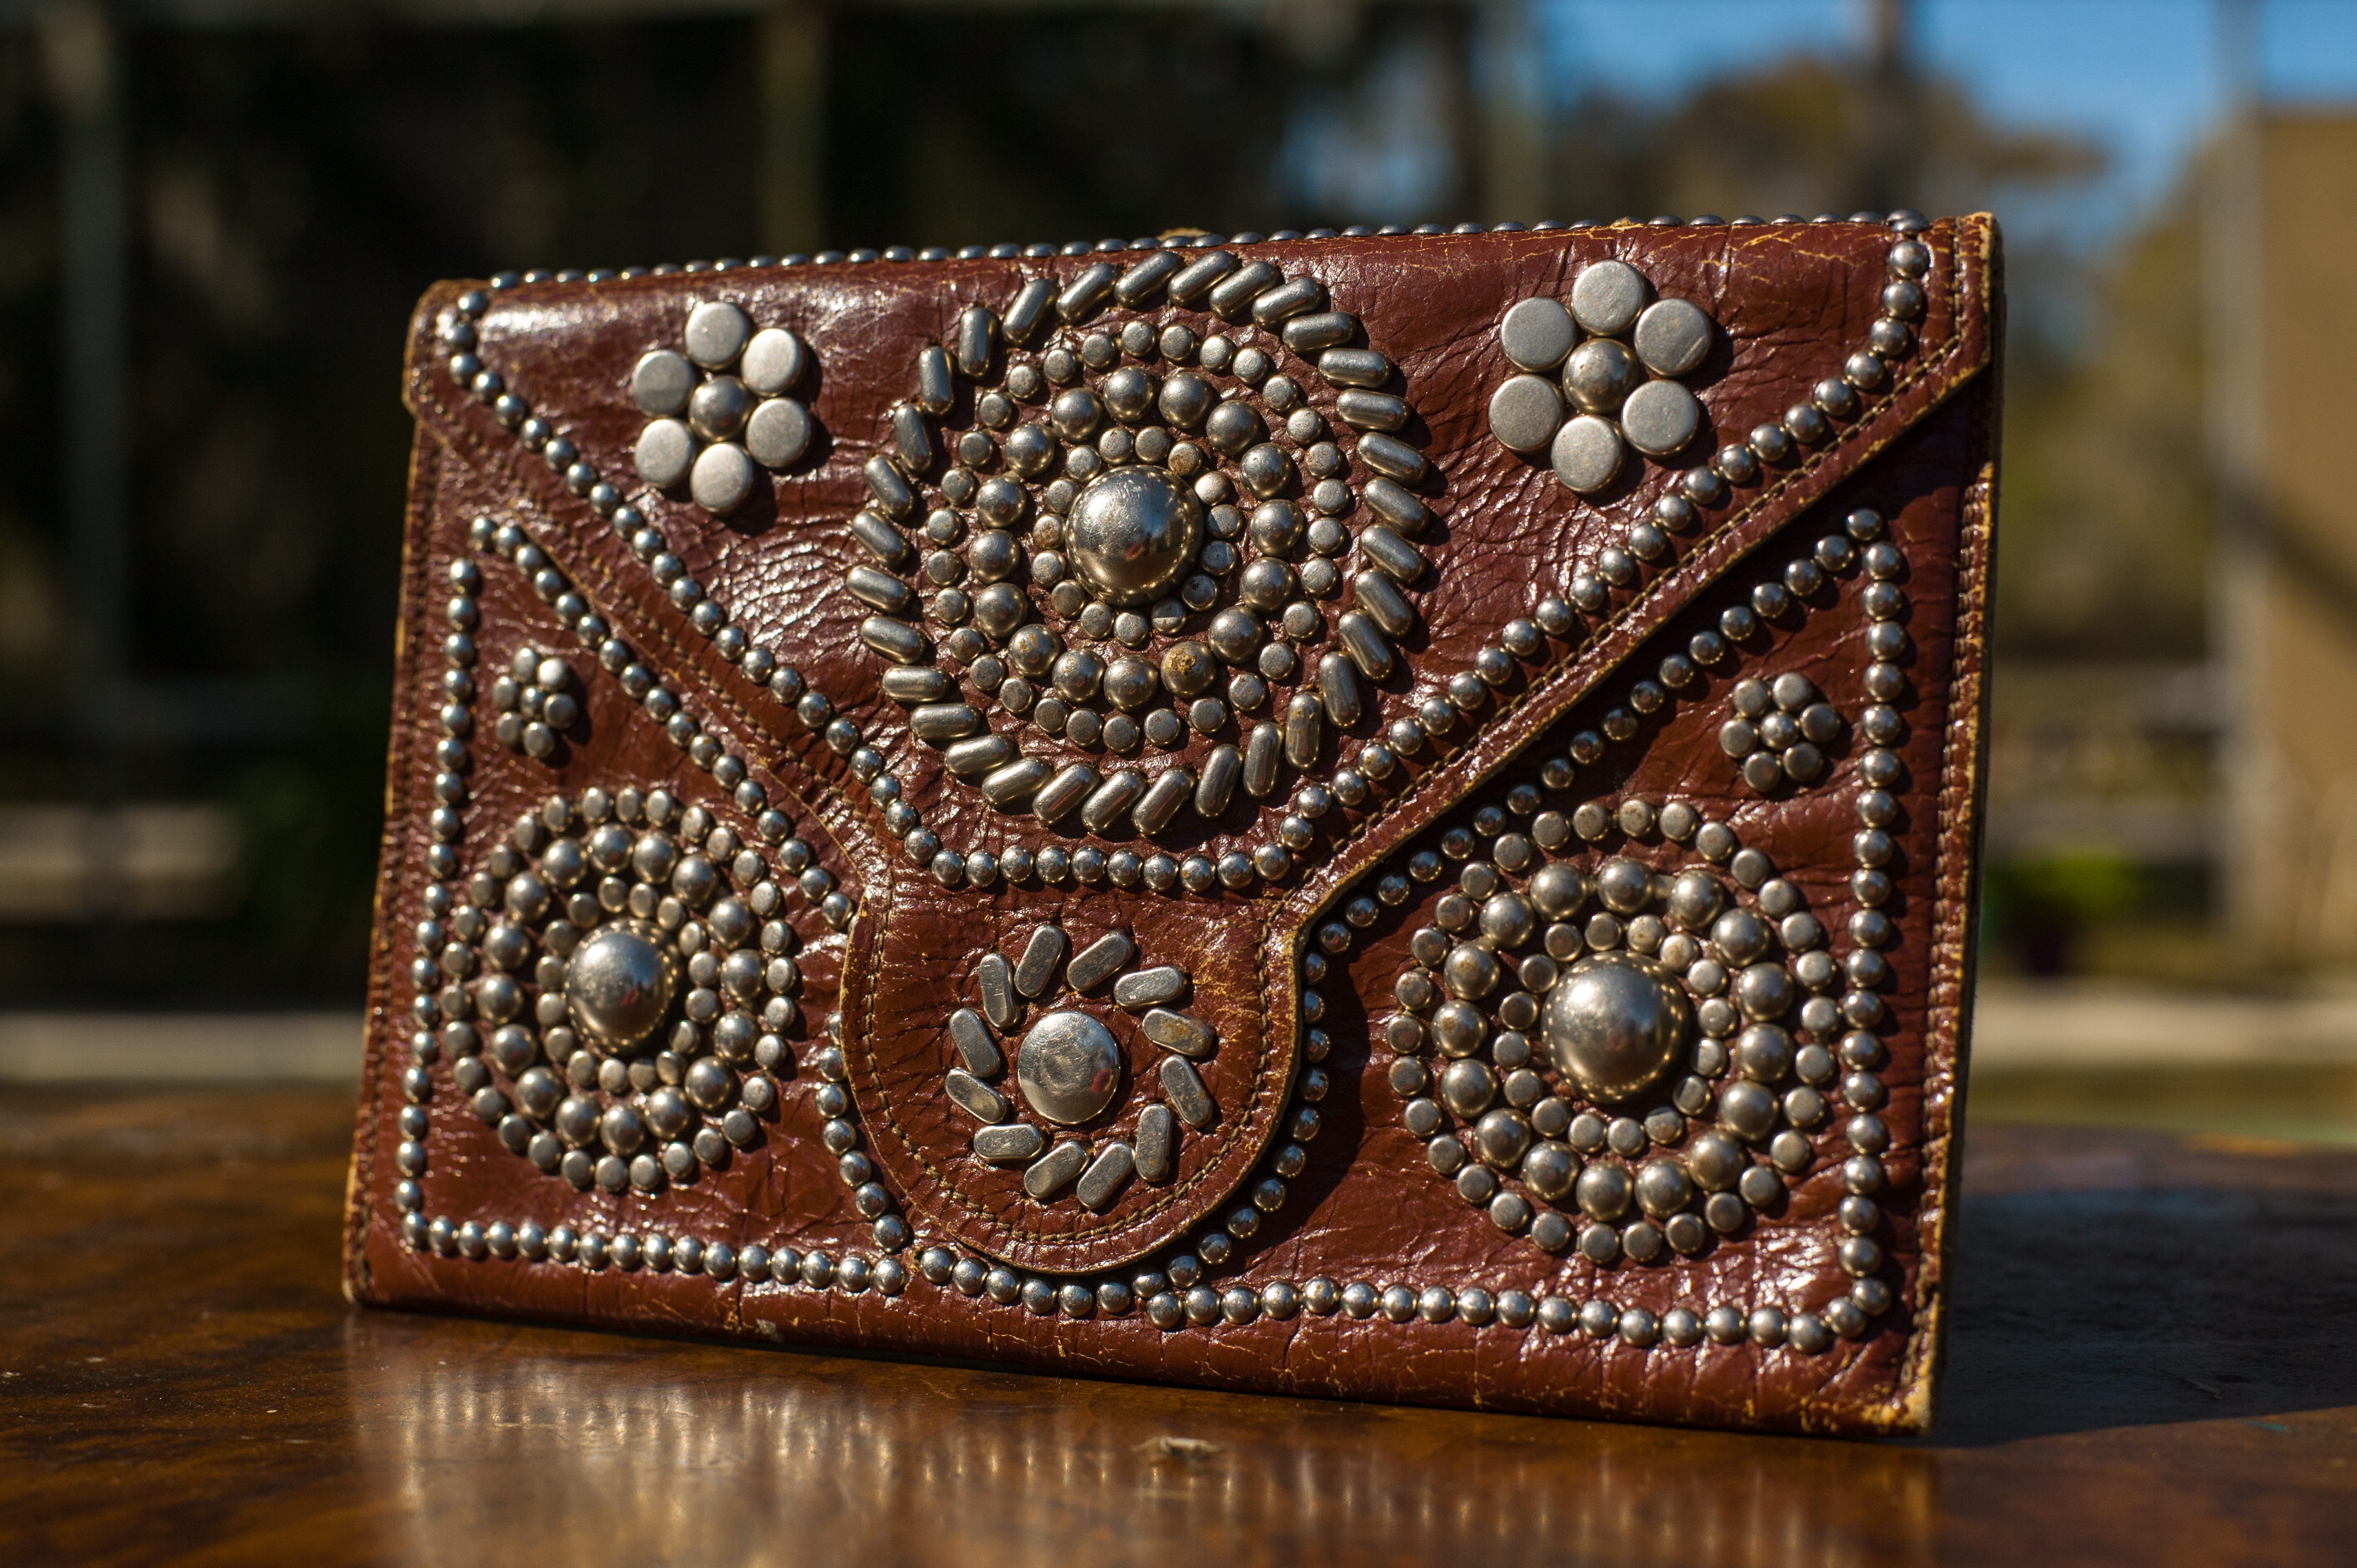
point(2150, 1362)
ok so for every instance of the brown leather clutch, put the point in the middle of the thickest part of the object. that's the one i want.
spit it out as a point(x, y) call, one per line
point(1387, 815)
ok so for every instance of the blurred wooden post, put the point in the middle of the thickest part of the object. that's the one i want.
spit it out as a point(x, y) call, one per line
point(2283, 405)
point(793, 38)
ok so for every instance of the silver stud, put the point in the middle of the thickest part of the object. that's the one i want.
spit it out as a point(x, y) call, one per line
point(717, 333)
point(1586, 453)
point(774, 361)
point(1607, 297)
point(1660, 417)
point(1525, 411)
point(1672, 337)
point(1535, 335)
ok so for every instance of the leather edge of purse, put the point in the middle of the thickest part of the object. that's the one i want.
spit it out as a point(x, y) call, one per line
point(426, 458)
point(1913, 1406)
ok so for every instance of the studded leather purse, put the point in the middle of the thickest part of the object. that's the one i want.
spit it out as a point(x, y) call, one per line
point(1387, 815)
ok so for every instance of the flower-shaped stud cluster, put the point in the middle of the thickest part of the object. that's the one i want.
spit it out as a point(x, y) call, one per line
point(1602, 376)
point(1780, 731)
point(1603, 1052)
point(1069, 1067)
point(616, 985)
point(721, 408)
point(535, 703)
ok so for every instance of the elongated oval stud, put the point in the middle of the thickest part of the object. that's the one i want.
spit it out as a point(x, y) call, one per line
point(1660, 417)
point(778, 434)
point(889, 487)
point(1157, 1144)
point(1109, 799)
point(1274, 307)
point(1087, 290)
point(1389, 456)
point(907, 683)
point(969, 758)
point(1061, 794)
point(1160, 804)
point(1536, 334)
point(1055, 1170)
point(943, 720)
point(1218, 785)
point(977, 335)
point(1338, 690)
point(973, 1097)
point(1029, 310)
point(722, 478)
point(661, 382)
point(665, 450)
point(1397, 506)
point(1149, 987)
point(1395, 556)
point(1144, 277)
point(974, 1046)
point(1320, 329)
point(933, 391)
point(1233, 293)
point(995, 981)
point(1371, 410)
point(879, 590)
point(774, 361)
point(1189, 1036)
point(1586, 453)
point(912, 439)
point(1353, 368)
point(1672, 337)
point(1182, 1086)
point(1375, 595)
point(1099, 959)
point(1302, 733)
point(1018, 1141)
point(1106, 1175)
point(883, 541)
point(894, 640)
point(1200, 274)
point(1607, 297)
point(1264, 749)
point(1010, 787)
point(1069, 1068)
point(1034, 971)
point(1363, 644)
point(1525, 413)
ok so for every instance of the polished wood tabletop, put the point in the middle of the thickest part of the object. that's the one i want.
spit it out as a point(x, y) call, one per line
point(2154, 1360)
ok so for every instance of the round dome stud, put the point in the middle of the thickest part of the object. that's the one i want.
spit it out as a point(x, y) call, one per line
point(1133, 534)
point(1069, 1068)
point(1614, 1025)
point(618, 985)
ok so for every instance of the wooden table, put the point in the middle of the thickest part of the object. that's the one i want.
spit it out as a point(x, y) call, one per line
point(2155, 1359)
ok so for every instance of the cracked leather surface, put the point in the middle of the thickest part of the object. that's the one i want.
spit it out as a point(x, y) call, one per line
point(1792, 302)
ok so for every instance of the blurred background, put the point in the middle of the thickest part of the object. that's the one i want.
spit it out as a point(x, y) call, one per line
point(215, 215)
